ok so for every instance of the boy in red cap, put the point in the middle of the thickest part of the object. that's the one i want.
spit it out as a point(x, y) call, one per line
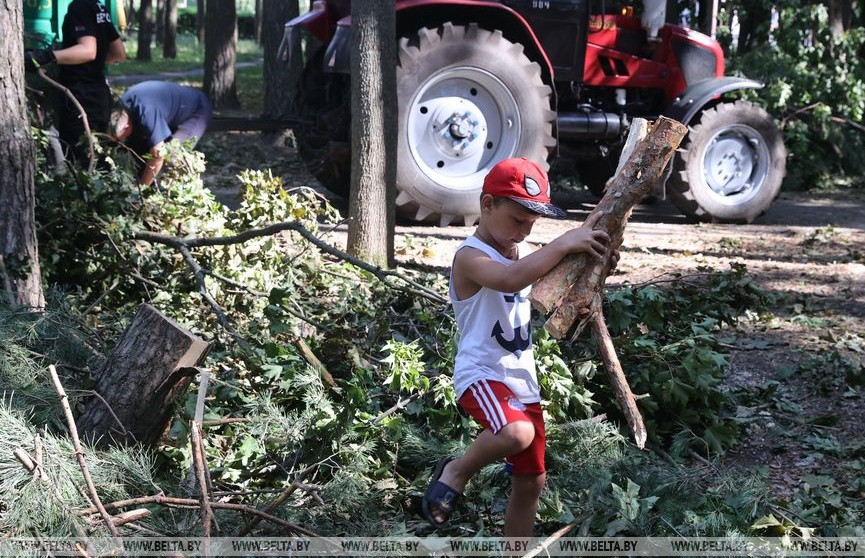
point(494, 373)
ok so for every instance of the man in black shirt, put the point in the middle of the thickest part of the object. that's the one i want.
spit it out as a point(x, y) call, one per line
point(89, 42)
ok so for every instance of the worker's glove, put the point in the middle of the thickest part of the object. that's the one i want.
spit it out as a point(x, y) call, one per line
point(35, 59)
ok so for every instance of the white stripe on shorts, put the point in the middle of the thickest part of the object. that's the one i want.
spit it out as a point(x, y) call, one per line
point(485, 407)
point(489, 404)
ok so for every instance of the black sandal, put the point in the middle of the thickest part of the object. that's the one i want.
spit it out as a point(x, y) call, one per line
point(440, 495)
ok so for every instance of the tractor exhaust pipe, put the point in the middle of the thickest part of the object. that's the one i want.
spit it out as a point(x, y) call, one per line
point(590, 125)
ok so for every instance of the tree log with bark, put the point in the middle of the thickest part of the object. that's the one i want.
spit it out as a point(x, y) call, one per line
point(140, 379)
point(571, 292)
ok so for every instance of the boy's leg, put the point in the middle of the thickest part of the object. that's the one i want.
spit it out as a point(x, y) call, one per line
point(507, 431)
point(527, 479)
point(523, 504)
point(487, 448)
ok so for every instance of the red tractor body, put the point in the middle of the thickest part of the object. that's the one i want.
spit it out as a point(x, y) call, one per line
point(482, 80)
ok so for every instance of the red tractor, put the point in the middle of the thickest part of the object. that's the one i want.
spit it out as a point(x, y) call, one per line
point(482, 80)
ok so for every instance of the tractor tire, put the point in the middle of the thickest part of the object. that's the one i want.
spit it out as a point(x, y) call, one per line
point(731, 167)
point(323, 102)
point(468, 98)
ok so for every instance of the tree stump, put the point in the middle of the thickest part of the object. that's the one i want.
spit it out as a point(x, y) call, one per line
point(151, 365)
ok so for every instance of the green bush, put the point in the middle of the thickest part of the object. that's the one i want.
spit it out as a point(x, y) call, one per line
point(815, 87)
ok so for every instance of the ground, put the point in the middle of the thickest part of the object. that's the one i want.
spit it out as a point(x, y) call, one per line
point(808, 249)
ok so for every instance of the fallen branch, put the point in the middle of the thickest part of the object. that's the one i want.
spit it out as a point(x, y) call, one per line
point(546, 543)
point(79, 453)
point(401, 404)
point(199, 464)
point(87, 132)
point(618, 383)
point(190, 503)
point(276, 502)
point(130, 516)
point(378, 272)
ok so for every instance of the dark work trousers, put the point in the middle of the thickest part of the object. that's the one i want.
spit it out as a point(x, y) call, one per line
point(95, 99)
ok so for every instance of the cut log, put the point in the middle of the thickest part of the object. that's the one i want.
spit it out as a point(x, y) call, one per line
point(150, 367)
point(572, 290)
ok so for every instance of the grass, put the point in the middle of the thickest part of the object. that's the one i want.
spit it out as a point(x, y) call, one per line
point(190, 56)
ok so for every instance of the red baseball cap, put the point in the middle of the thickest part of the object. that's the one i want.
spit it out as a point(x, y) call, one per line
point(526, 183)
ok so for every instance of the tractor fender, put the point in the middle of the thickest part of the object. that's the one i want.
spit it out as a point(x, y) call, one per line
point(413, 14)
point(318, 22)
point(693, 99)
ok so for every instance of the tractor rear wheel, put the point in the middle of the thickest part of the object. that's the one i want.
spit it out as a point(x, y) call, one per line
point(468, 98)
point(731, 167)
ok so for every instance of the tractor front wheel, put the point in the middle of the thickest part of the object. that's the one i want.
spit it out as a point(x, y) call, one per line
point(731, 167)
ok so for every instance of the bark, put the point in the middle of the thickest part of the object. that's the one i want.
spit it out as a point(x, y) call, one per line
point(20, 275)
point(200, 11)
point(140, 379)
point(374, 130)
point(169, 43)
point(259, 20)
point(836, 17)
point(220, 53)
point(573, 288)
point(618, 383)
point(280, 78)
point(159, 28)
point(145, 31)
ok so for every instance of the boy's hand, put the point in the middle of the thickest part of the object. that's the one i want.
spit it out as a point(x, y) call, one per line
point(584, 239)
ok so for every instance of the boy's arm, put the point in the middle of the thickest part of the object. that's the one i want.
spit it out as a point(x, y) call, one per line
point(480, 269)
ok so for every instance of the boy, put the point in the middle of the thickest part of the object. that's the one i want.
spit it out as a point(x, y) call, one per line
point(494, 372)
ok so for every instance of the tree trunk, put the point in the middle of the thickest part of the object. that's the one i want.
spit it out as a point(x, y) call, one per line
point(200, 11)
point(573, 288)
point(169, 44)
point(836, 16)
point(19, 254)
point(280, 79)
point(159, 35)
point(259, 20)
point(220, 53)
point(754, 19)
point(139, 381)
point(145, 30)
point(373, 131)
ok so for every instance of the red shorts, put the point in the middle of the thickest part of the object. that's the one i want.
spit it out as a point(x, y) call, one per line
point(494, 405)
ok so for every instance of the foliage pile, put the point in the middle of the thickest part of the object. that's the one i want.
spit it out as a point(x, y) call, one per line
point(361, 445)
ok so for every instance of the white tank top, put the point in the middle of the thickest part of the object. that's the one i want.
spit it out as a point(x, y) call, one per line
point(495, 334)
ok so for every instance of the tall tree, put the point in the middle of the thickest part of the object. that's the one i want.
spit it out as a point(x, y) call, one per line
point(145, 30)
point(259, 20)
point(220, 53)
point(160, 21)
point(373, 131)
point(200, 10)
point(20, 276)
point(169, 44)
point(280, 79)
